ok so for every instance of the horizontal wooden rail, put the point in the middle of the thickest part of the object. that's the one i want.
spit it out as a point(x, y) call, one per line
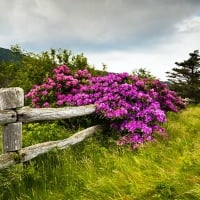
point(40, 114)
point(31, 152)
point(7, 116)
point(13, 114)
point(27, 114)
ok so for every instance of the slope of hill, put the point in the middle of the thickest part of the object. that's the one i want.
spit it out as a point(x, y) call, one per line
point(7, 55)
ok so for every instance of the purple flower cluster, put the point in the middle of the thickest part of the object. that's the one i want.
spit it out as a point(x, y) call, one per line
point(134, 107)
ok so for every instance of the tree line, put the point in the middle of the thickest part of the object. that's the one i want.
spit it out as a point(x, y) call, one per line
point(31, 68)
point(25, 69)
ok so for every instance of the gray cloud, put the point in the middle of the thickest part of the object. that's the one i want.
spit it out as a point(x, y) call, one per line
point(92, 25)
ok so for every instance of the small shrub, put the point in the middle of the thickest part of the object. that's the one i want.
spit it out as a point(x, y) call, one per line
point(34, 133)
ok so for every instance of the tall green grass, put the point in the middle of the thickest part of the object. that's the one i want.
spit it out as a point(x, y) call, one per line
point(98, 169)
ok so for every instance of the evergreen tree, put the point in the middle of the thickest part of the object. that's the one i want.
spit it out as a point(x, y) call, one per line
point(185, 78)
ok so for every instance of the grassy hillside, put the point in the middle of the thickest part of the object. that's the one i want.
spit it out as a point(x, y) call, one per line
point(98, 169)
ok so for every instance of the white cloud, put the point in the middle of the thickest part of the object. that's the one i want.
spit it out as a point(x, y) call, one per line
point(158, 60)
point(124, 34)
point(90, 24)
point(129, 61)
point(189, 25)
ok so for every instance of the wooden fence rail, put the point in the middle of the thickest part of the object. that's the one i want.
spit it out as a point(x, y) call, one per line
point(13, 113)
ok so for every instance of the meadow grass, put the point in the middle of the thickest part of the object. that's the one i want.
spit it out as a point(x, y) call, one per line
point(98, 169)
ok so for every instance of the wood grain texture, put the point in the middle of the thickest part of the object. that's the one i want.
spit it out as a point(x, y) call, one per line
point(31, 152)
point(11, 98)
point(28, 114)
point(12, 137)
point(7, 116)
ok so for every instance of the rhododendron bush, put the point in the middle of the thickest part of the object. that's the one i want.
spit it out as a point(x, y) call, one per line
point(135, 108)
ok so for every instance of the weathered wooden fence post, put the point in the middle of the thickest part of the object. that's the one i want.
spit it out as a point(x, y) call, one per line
point(10, 99)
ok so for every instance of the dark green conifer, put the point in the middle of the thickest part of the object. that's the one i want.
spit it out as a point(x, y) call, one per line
point(185, 78)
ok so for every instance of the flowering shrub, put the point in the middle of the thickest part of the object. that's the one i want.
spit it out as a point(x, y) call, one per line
point(134, 107)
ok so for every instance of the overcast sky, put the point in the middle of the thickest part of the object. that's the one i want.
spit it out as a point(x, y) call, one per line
point(123, 34)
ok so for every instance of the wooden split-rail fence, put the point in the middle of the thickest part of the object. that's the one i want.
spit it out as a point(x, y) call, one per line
point(13, 114)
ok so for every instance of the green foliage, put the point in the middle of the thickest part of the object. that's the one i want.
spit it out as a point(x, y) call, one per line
point(98, 169)
point(9, 60)
point(25, 69)
point(143, 73)
point(34, 133)
point(7, 72)
point(32, 68)
point(185, 79)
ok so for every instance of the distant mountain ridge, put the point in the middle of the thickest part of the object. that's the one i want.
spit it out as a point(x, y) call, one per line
point(7, 55)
